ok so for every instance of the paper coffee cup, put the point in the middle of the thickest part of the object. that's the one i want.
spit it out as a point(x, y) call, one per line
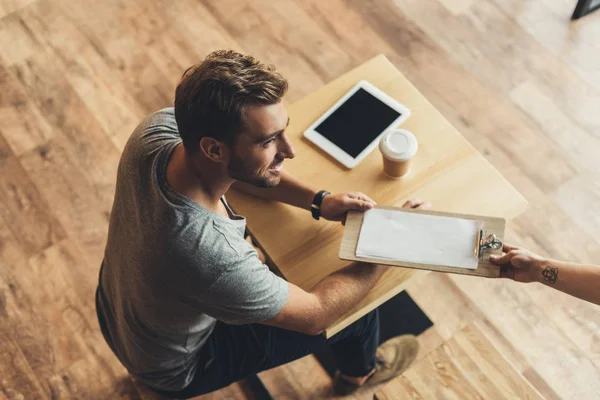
point(398, 147)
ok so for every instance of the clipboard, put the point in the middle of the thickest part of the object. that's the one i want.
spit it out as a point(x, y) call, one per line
point(489, 241)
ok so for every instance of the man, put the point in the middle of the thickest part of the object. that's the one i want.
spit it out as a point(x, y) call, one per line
point(183, 300)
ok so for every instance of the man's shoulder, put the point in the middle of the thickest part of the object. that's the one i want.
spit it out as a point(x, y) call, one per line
point(156, 132)
point(155, 128)
point(208, 238)
point(159, 122)
point(163, 116)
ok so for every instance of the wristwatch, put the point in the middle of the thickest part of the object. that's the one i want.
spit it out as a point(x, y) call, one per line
point(315, 207)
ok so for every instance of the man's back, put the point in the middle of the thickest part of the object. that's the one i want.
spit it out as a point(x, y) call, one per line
point(171, 266)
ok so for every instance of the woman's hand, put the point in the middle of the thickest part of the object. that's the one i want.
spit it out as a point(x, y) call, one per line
point(518, 264)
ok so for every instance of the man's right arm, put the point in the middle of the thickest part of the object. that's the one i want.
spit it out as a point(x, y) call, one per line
point(313, 312)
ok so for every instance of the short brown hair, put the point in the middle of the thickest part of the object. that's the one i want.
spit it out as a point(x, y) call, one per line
point(211, 96)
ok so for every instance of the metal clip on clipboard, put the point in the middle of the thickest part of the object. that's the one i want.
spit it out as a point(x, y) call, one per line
point(483, 243)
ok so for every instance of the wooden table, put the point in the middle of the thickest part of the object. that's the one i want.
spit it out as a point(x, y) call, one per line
point(468, 366)
point(447, 170)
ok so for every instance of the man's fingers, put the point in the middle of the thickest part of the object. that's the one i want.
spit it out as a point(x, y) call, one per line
point(426, 205)
point(367, 198)
point(414, 203)
point(418, 204)
point(364, 205)
point(357, 204)
point(361, 196)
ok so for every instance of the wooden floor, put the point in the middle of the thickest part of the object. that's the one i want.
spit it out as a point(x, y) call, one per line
point(467, 366)
point(516, 77)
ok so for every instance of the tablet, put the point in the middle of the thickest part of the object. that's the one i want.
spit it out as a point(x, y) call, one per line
point(352, 127)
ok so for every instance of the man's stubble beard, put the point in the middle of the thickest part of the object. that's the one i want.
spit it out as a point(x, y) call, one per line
point(238, 171)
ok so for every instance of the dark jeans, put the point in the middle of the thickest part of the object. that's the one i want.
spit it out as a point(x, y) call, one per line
point(234, 352)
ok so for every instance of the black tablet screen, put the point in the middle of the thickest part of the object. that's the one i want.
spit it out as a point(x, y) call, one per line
point(357, 122)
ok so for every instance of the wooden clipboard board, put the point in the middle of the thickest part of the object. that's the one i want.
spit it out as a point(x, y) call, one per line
point(489, 242)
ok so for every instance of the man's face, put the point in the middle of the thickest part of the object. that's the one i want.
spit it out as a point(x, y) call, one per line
point(259, 151)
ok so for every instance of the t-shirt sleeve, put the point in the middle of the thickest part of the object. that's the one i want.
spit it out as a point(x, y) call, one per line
point(245, 291)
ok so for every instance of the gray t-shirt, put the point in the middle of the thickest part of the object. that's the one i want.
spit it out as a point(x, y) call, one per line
point(172, 268)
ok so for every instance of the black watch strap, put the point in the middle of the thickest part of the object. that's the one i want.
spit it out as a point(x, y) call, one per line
point(315, 207)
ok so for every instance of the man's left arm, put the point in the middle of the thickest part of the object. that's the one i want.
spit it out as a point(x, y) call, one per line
point(291, 191)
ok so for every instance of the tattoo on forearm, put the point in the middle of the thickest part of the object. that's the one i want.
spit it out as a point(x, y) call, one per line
point(550, 275)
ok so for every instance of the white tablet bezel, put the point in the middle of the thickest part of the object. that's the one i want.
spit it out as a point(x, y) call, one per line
point(333, 150)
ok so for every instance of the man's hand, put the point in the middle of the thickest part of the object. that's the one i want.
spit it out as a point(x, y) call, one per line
point(335, 206)
point(518, 264)
point(417, 204)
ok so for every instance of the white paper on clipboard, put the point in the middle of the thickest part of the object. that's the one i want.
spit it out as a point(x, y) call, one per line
point(419, 238)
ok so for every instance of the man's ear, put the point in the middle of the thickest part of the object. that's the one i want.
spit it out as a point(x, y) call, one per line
point(213, 149)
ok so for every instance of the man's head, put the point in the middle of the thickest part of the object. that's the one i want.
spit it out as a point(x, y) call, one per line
point(228, 109)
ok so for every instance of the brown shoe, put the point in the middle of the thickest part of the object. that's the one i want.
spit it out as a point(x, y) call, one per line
point(393, 358)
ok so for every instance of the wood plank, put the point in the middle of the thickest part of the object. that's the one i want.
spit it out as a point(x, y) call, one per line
point(541, 386)
point(350, 31)
point(438, 376)
point(503, 56)
point(290, 24)
point(196, 23)
point(303, 379)
point(428, 341)
point(144, 81)
point(87, 70)
point(23, 126)
point(75, 128)
point(24, 211)
point(466, 367)
point(457, 7)
point(583, 209)
point(54, 330)
point(19, 380)
point(571, 42)
point(10, 249)
point(571, 141)
point(252, 30)
point(398, 389)
point(559, 362)
point(65, 299)
point(553, 232)
point(27, 330)
point(10, 6)
point(153, 26)
point(16, 41)
point(576, 319)
point(73, 198)
point(451, 310)
point(494, 368)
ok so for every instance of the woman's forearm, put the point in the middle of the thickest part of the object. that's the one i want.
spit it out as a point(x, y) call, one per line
point(579, 280)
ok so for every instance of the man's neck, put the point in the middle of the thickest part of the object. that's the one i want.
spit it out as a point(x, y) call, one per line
point(198, 179)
